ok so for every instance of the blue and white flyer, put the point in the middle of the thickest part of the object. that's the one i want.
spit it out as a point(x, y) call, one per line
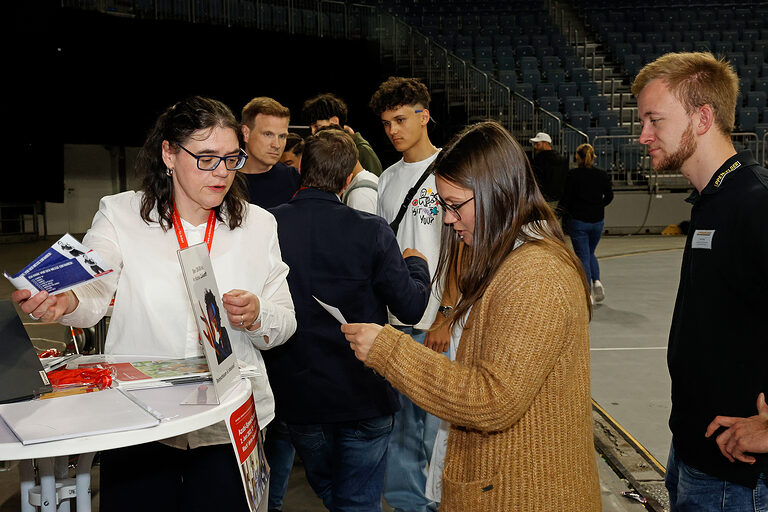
point(65, 265)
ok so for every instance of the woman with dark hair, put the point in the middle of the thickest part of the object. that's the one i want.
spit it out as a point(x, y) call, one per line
point(190, 194)
point(517, 396)
point(587, 192)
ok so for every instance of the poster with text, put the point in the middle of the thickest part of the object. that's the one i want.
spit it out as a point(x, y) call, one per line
point(243, 429)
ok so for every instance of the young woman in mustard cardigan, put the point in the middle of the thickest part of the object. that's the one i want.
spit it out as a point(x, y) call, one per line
point(517, 396)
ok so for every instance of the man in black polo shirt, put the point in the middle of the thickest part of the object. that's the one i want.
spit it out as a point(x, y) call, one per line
point(717, 348)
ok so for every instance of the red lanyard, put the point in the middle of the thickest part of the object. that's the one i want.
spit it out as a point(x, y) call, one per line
point(182, 237)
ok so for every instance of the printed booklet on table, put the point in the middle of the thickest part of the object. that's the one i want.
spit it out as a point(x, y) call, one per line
point(63, 266)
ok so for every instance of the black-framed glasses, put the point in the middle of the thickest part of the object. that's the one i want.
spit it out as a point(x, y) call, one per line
point(211, 162)
point(453, 208)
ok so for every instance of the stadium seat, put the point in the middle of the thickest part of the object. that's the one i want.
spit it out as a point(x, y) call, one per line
point(756, 99)
point(508, 77)
point(573, 104)
point(524, 89)
point(549, 103)
point(566, 89)
point(608, 119)
point(597, 104)
point(588, 89)
point(545, 89)
point(580, 75)
point(555, 76)
point(580, 120)
point(528, 63)
point(747, 118)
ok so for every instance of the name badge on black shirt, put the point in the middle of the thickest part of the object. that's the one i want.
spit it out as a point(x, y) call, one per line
point(702, 239)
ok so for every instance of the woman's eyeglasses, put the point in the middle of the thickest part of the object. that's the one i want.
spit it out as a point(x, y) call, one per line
point(453, 208)
point(211, 162)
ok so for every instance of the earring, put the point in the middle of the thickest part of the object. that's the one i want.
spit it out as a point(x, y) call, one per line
point(168, 172)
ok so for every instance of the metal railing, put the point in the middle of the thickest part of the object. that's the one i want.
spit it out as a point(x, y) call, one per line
point(321, 18)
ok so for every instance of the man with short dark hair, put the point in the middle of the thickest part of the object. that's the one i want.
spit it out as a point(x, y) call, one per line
point(362, 191)
point(328, 109)
point(264, 124)
point(549, 168)
point(339, 412)
point(717, 349)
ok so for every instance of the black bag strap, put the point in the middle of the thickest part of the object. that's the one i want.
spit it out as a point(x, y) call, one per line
point(404, 207)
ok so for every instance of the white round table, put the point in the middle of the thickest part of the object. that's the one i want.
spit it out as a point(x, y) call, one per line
point(181, 419)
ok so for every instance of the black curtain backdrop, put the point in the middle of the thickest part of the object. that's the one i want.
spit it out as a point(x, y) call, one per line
point(90, 78)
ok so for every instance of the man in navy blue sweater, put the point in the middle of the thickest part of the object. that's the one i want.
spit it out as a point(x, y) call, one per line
point(339, 413)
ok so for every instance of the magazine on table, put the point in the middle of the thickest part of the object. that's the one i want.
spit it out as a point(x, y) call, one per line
point(135, 374)
point(63, 266)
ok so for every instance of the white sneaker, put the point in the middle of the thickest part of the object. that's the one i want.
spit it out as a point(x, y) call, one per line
point(598, 292)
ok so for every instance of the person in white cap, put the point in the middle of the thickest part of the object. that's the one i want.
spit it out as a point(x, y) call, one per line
point(549, 168)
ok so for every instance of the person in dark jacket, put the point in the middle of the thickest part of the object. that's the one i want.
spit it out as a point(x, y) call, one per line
point(339, 412)
point(550, 170)
point(587, 192)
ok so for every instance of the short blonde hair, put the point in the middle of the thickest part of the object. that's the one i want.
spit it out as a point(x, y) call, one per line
point(262, 105)
point(696, 79)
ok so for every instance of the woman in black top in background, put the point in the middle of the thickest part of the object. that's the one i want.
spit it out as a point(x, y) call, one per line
point(587, 193)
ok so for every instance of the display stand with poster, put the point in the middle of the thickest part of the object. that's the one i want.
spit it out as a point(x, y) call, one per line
point(213, 324)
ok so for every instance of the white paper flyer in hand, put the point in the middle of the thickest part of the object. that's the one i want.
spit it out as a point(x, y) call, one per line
point(333, 310)
point(243, 427)
point(63, 266)
point(211, 317)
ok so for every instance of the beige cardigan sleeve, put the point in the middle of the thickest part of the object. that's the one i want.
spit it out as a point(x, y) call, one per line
point(516, 333)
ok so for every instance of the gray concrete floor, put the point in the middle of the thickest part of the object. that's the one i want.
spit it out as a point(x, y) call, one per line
point(628, 338)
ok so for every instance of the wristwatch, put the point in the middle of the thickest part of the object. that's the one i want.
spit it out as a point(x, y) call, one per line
point(445, 310)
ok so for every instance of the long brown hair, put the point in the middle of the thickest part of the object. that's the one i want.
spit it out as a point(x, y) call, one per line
point(176, 125)
point(486, 159)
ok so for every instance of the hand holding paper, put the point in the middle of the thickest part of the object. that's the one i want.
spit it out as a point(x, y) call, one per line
point(361, 337)
point(43, 306)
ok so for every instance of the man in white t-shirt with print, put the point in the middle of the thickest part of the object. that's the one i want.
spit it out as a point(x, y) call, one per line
point(403, 106)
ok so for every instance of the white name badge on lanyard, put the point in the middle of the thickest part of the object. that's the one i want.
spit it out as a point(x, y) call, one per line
point(702, 239)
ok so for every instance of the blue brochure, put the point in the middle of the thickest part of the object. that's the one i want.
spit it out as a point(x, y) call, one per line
point(64, 265)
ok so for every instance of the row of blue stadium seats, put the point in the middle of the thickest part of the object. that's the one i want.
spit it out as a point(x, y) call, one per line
point(738, 57)
point(505, 58)
point(609, 10)
point(648, 52)
point(495, 40)
point(748, 118)
point(658, 36)
point(643, 25)
point(752, 77)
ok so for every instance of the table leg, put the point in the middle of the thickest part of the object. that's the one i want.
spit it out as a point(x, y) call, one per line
point(26, 482)
point(47, 484)
point(61, 470)
point(83, 482)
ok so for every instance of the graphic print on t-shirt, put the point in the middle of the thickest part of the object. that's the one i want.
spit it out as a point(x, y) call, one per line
point(425, 206)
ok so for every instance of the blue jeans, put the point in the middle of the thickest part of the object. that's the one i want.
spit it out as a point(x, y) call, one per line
point(691, 490)
point(585, 237)
point(279, 453)
point(344, 462)
point(410, 450)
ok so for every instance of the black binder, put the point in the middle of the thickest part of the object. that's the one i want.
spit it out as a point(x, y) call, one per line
point(21, 373)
